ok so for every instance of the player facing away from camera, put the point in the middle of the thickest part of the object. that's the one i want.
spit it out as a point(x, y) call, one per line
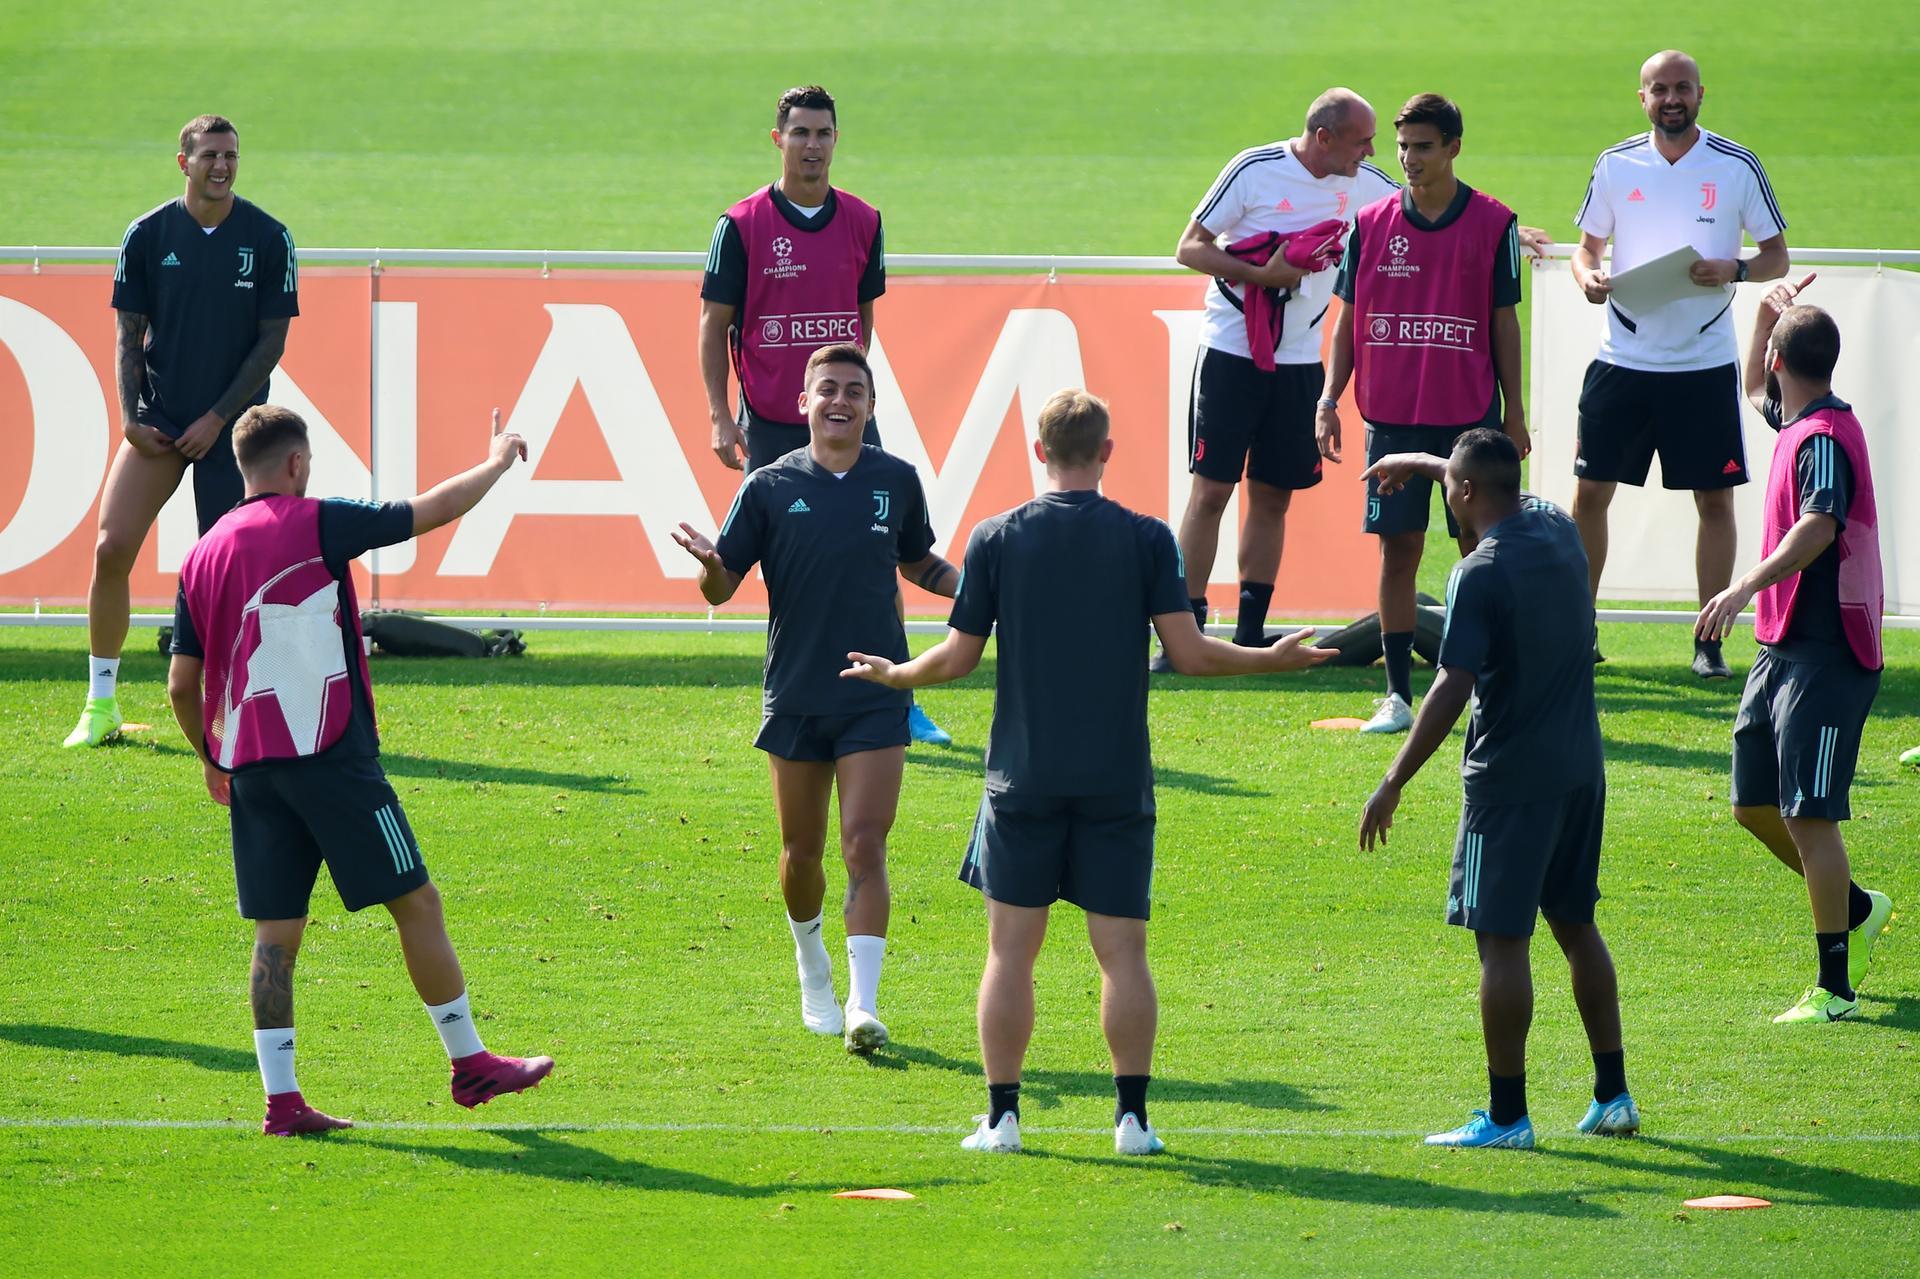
point(830, 525)
point(1817, 594)
point(794, 267)
point(1267, 234)
point(1519, 620)
point(205, 289)
point(1665, 378)
point(1429, 336)
point(269, 684)
point(1069, 583)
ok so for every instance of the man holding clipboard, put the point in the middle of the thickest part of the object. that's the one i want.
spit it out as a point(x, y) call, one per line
point(1666, 378)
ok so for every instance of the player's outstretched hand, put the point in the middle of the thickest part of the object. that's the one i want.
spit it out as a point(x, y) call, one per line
point(219, 784)
point(866, 666)
point(507, 445)
point(695, 543)
point(1296, 652)
point(1717, 618)
point(1783, 295)
point(1376, 818)
point(1326, 432)
point(1391, 473)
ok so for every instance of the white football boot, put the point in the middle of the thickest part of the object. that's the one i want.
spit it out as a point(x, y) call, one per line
point(1000, 1139)
point(1390, 715)
point(864, 1031)
point(819, 1009)
point(1130, 1137)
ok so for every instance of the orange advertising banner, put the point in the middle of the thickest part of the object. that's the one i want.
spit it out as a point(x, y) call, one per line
point(396, 372)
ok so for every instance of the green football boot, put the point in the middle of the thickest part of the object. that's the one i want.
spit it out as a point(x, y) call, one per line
point(1817, 1005)
point(1860, 940)
point(1911, 757)
point(99, 723)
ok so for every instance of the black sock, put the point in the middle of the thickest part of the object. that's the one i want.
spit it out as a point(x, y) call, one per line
point(1609, 1074)
point(1198, 603)
point(1130, 1097)
point(1833, 963)
point(1509, 1097)
point(1859, 905)
point(1002, 1099)
point(1399, 647)
point(1251, 626)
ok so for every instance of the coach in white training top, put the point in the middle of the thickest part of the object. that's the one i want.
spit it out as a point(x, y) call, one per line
point(1667, 380)
point(1255, 411)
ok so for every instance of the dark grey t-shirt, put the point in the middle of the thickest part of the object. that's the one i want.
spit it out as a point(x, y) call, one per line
point(1519, 617)
point(1071, 580)
point(830, 547)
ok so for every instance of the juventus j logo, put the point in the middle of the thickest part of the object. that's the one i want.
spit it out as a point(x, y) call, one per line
point(246, 263)
point(1708, 195)
point(882, 504)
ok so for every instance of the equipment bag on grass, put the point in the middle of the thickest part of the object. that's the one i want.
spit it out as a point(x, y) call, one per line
point(405, 634)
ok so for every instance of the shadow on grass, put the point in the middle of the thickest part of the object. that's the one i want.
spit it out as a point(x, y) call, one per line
point(972, 760)
point(1667, 755)
point(1044, 1089)
point(79, 1039)
point(1902, 1011)
point(1345, 1185)
point(1746, 1169)
point(540, 1153)
point(455, 770)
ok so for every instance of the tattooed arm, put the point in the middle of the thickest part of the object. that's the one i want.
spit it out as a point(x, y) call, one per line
point(932, 574)
point(129, 365)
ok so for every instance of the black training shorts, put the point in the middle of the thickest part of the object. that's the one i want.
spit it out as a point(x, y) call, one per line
point(1797, 736)
point(822, 738)
point(288, 818)
point(1690, 418)
point(1093, 851)
point(1239, 417)
point(1512, 862)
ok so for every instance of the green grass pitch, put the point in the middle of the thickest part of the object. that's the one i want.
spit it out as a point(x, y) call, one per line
point(603, 831)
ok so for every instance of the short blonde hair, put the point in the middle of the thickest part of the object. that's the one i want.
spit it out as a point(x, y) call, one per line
point(264, 433)
point(1073, 425)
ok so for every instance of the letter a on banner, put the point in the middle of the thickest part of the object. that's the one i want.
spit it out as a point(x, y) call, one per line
point(588, 347)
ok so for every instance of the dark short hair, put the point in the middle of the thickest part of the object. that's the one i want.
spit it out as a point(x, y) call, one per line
point(810, 96)
point(1073, 423)
point(1808, 342)
point(1431, 108)
point(1490, 458)
point(264, 432)
point(192, 129)
point(840, 353)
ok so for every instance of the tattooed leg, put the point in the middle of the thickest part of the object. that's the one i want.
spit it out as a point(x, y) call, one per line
point(275, 944)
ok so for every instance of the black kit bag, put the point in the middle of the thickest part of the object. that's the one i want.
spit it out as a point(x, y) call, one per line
point(403, 634)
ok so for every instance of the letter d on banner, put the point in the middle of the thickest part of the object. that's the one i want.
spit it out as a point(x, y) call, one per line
point(70, 435)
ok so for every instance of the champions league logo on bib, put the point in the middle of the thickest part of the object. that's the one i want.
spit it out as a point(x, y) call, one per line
point(784, 267)
point(1398, 268)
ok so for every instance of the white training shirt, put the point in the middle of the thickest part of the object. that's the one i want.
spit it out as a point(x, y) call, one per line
point(1268, 189)
point(1649, 208)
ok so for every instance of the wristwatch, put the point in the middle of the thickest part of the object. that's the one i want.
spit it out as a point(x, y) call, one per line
point(1740, 271)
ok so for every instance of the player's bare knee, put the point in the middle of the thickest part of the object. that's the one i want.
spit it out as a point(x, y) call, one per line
point(864, 848)
point(1755, 818)
point(421, 906)
point(1209, 497)
point(1714, 504)
point(114, 552)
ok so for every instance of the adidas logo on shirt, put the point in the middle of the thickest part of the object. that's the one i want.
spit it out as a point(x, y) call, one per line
point(799, 507)
point(1285, 205)
point(1636, 197)
point(170, 260)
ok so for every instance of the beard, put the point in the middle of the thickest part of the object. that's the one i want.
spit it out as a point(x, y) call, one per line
point(1773, 386)
point(1687, 117)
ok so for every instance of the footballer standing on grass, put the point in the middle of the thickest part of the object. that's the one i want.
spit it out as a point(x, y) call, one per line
point(1429, 335)
point(205, 289)
point(794, 267)
point(1817, 595)
point(830, 525)
point(1518, 622)
point(269, 684)
point(1666, 379)
point(1069, 582)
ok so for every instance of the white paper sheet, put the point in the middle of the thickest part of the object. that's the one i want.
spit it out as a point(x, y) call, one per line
point(1653, 284)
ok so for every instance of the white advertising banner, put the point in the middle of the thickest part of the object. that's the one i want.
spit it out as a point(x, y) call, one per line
point(1651, 530)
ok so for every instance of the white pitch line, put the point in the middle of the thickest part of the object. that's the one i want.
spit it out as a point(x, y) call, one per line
point(907, 1130)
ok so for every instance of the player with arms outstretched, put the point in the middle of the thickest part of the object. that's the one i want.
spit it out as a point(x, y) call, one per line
point(830, 526)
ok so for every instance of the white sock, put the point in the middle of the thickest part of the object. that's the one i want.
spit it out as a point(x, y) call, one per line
point(863, 964)
point(274, 1048)
point(103, 676)
point(816, 966)
point(454, 1021)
